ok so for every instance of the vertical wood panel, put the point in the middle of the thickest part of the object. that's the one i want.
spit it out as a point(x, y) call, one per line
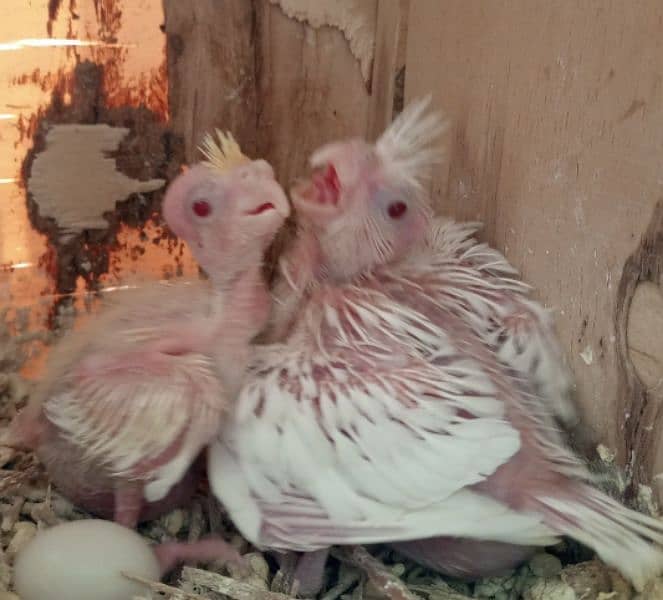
point(388, 42)
point(311, 90)
point(285, 76)
point(211, 79)
point(557, 146)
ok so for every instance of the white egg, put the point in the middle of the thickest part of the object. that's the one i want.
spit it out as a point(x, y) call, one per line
point(84, 560)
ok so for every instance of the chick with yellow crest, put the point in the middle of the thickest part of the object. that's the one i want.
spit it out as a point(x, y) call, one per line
point(131, 400)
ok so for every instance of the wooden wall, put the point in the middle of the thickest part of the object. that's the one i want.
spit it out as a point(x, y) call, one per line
point(286, 75)
point(557, 146)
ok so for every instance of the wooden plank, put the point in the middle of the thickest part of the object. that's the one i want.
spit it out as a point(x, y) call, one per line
point(556, 145)
point(388, 42)
point(285, 75)
point(310, 89)
point(211, 78)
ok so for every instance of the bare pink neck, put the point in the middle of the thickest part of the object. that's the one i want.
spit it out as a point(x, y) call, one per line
point(244, 303)
point(243, 309)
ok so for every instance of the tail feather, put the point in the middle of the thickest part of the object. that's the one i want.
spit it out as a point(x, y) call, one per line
point(627, 540)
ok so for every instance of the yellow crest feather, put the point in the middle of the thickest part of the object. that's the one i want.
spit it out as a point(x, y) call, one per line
point(224, 154)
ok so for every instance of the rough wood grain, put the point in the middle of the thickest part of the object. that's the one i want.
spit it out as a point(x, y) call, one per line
point(388, 42)
point(557, 111)
point(401, 57)
point(285, 76)
point(211, 77)
point(310, 90)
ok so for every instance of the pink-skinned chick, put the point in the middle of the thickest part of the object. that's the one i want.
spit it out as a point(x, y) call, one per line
point(388, 412)
point(374, 194)
point(131, 400)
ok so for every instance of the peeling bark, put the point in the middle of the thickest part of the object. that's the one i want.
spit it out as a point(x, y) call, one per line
point(355, 19)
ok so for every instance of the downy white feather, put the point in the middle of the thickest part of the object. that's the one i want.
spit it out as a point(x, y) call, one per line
point(122, 419)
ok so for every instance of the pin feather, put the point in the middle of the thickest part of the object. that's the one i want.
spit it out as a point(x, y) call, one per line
point(224, 154)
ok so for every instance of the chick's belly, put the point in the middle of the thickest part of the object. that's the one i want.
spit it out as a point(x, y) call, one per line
point(91, 488)
point(465, 558)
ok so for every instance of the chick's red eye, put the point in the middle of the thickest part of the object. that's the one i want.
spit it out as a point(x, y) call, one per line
point(202, 208)
point(397, 209)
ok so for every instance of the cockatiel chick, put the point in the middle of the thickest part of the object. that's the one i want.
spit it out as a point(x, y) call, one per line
point(131, 399)
point(387, 414)
point(356, 188)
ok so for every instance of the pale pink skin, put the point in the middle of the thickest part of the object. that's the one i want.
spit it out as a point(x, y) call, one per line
point(228, 221)
point(99, 493)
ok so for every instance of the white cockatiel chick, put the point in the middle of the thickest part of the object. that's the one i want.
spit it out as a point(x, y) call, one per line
point(472, 277)
point(387, 413)
point(132, 398)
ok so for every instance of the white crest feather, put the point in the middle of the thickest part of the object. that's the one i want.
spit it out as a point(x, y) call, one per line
point(224, 154)
point(407, 145)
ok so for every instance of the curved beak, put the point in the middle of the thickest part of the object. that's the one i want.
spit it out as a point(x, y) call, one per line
point(319, 195)
point(272, 198)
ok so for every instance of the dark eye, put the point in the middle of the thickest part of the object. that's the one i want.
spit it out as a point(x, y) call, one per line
point(397, 209)
point(202, 208)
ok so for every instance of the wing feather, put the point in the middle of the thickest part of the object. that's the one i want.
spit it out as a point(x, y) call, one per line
point(384, 453)
point(140, 412)
point(491, 295)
